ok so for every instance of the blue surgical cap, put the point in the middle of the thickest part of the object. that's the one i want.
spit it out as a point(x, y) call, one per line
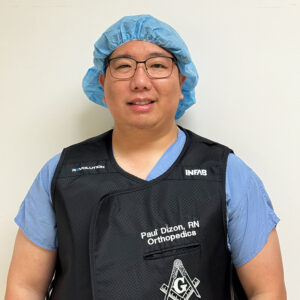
point(142, 28)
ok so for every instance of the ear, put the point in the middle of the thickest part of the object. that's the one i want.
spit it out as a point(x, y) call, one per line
point(101, 81)
point(182, 79)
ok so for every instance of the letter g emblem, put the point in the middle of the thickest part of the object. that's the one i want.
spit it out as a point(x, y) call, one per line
point(182, 287)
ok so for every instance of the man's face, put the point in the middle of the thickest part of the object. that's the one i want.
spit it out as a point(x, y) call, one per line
point(140, 101)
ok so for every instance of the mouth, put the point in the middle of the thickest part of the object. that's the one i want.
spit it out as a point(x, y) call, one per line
point(141, 102)
point(141, 105)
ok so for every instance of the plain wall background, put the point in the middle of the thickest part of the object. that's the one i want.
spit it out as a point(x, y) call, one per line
point(248, 58)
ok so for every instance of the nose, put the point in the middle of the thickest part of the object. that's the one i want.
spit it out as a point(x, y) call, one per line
point(140, 79)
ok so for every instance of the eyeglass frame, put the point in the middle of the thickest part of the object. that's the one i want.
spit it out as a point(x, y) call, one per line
point(108, 60)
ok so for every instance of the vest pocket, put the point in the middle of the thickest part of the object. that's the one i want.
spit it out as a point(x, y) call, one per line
point(174, 251)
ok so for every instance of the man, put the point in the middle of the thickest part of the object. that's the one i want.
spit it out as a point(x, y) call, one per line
point(147, 210)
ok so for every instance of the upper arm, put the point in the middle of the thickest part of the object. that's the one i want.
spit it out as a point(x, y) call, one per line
point(36, 216)
point(31, 270)
point(262, 277)
point(250, 214)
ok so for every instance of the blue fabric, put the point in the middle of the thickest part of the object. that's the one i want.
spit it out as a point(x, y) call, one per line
point(144, 28)
point(250, 215)
point(168, 157)
point(36, 216)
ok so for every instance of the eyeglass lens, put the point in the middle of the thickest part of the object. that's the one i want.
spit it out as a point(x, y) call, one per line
point(156, 67)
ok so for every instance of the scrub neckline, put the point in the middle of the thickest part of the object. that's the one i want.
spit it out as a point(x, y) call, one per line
point(138, 179)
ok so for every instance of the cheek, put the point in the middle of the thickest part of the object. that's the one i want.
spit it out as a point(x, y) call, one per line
point(111, 92)
point(171, 91)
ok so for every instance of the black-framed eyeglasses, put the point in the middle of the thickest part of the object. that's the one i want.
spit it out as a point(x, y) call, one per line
point(156, 67)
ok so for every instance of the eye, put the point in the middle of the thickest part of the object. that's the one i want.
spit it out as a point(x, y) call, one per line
point(158, 66)
point(122, 67)
point(159, 63)
point(122, 64)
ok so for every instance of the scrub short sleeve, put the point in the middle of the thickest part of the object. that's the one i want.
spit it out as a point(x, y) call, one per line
point(250, 214)
point(36, 216)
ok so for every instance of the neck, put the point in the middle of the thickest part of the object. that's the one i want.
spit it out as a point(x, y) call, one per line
point(132, 140)
point(137, 150)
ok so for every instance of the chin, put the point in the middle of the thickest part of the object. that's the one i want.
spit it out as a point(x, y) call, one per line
point(147, 121)
point(144, 125)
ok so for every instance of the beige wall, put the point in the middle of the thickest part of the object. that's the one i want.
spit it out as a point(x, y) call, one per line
point(247, 54)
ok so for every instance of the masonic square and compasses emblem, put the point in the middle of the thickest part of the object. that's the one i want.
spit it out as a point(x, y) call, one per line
point(180, 286)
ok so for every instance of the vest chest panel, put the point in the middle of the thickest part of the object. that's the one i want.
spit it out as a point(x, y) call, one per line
point(123, 238)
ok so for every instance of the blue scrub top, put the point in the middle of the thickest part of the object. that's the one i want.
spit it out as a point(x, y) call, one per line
point(250, 215)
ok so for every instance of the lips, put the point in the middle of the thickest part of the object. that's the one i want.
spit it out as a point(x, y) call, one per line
point(141, 102)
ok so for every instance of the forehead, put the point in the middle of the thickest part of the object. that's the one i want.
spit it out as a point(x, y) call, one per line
point(141, 49)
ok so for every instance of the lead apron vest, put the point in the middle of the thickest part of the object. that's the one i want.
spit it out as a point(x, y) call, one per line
point(121, 237)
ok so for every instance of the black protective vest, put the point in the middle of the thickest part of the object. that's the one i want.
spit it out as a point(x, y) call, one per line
point(123, 238)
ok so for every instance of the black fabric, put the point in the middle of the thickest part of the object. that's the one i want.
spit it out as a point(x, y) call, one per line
point(112, 225)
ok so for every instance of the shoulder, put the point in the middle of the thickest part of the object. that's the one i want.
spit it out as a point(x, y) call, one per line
point(237, 173)
point(196, 138)
point(92, 141)
point(43, 179)
point(241, 179)
point(86, 149)
point(49, 167)
point(207, 148)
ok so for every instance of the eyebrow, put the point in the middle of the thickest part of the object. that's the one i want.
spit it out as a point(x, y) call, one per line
point(152, 54)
